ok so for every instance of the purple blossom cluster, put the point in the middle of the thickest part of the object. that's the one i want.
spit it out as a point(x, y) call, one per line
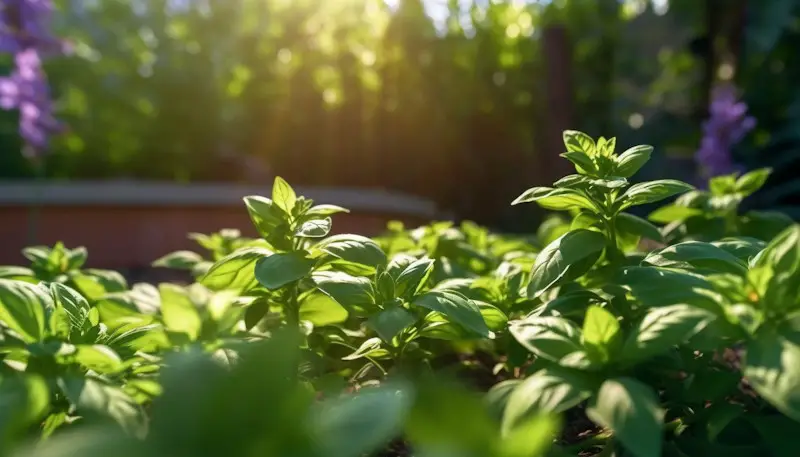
point(24, 32)
point(726, 126)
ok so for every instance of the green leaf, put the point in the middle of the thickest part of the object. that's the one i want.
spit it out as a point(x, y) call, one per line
point(663, 328)
point(631, 161)
point(370, 348)
point(321, 211)
point(778, 432)
point(266, 215)
point(413, 278)
point(108, 281)
point(630, 409)
point(384, 284)
point(781, 257)
point(437, 326)
point(25, 400)
point(356, 425)
point(783, 252)
point(355, 249)
point(764, 225)
point(85, 442)
point(532, 438)
point(636, 226)
point(568, 257)
point(315, 228)
point(437, 424)
point(673, 213)
point(772, 366)
point(283, 195)
point(457, 308)
point(569, 304)
point(582, 182)
point(255, 312)
point(553, 389)
point(321, 310)
point(76, 258)
point(652, 191)
point(18, 273)
point(557, 199)
point(654, 286)
point(98, 358)
point(178, 311)
point(722, 185)
point(496, 399)
point(182, 260)
point(583, 163)
point(138, 337)
point(552, 338)
point(92, 396)
point(584, 220)
point(74, 304)
point(720, 415)
point(696, 254)
point(235, 271)
point(353, 292)
point(752, 181)
point(601, 332)
point(390, 322)
point(280, 269)
point(22, 309)
point(743, 248)
point(579, 142)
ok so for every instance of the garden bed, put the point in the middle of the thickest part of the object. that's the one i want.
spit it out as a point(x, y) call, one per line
point(127, 224)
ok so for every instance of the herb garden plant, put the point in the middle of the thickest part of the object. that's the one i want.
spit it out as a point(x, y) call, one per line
point(443, 340)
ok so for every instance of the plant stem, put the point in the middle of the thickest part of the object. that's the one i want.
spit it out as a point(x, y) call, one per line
point(600, 439)
point(614, 253)
point(292, 307)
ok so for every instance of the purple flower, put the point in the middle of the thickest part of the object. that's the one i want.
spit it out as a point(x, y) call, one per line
point(727, 125)
point(25, 24)
point(24, 32)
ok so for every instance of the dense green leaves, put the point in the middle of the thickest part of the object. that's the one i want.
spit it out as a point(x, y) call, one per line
point(772, 366)
point(179, 311)
point(638, 227)
point(236, 271)
point(559, 199)
point(456, 308)
point(179, 259)
point(697, 255)
point(601, 333)
point(552, 390)
point(354, 248)
point(23, 309)
point(663, 328)
point(389, 322)
point(577, 315)
point(552, 338)
point(351, 426)
point(569, 256)
point(280, 269)
point(632, 160)
point(652, 191)
point(630, 409)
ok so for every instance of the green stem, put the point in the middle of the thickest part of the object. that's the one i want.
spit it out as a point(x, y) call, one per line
point(614, 253)
point(600, 439)
point(292, 307)
point(730, 223)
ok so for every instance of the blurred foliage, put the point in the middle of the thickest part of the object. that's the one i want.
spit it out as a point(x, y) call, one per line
point(423, 95)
